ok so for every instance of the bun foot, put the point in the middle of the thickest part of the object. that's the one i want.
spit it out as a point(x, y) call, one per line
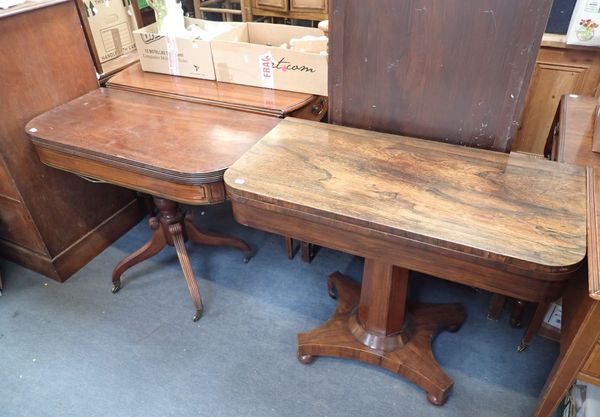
point(116, 287)
point(306, 359)
point(436, 399)
point(453, 328)
point(198, 315)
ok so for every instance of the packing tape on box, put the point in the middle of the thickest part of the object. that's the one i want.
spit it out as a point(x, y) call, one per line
point(173, 55)
point(266, 70)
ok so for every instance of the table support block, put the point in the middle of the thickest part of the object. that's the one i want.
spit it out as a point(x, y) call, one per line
point(173, 227)
point(407, 352)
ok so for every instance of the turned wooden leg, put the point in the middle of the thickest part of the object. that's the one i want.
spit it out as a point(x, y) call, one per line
point(151, 248)
point(370, 325)
point(496, 306)
point(516, 315)
point(215, 239)
point(176, 231)
point(534, 325)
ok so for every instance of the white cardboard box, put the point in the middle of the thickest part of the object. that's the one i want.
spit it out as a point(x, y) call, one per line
point(251, 55)
point(179, 55)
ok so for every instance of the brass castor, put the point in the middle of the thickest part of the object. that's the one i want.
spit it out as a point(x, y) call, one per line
point(116, 287)
point(247, 257)
point(522, 346)
point(306, 359)
point(435, 400)
point(198, 315)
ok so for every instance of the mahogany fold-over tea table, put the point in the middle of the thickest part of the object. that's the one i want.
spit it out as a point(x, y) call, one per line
point(510, 224)
point(175, 151)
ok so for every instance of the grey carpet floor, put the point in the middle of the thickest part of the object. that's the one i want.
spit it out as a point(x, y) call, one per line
point(77, 350)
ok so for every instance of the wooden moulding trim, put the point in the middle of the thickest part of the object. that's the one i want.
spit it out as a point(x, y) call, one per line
point(197, 194)
point(82, 251)
point(453, 265)
point(92, 243)
point(593, 250)
point(133, 167)
point(231, 106)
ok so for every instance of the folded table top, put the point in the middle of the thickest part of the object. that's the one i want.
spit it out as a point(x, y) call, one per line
point(242, 97)
point(157, 137)
point(507, 208)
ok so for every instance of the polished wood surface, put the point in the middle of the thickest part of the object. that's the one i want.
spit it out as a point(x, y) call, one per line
point(454, 71)
point(414, 188)
point(234, 96)
point(580, 333)
point(164, 139)
point(576, 126)
point(394, 200)
point(51, 221)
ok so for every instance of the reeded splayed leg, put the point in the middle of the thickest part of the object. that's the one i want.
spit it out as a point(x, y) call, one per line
point(151, 248)
point(369, 325)
point(215, 239)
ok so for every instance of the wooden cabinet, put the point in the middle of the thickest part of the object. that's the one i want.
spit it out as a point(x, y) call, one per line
point(50, 221)
point(281, 5)
point(292, 9)
point(559, 70)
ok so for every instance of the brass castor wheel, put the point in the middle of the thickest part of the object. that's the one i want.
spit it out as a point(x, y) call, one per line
point(197, 315)
point(306, 359)
point(116, 287)
point(515, 323)
point(522, 346)
point(435, 400)
point(247, 257)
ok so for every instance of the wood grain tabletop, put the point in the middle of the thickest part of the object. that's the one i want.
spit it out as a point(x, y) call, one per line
point(160, 137)
point(260, 100)
point(515, 209)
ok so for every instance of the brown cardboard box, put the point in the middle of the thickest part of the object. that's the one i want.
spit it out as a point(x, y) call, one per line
point(179, 55)
point(251, 55)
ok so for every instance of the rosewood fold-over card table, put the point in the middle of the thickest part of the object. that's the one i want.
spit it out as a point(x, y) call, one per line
point(510, 224)
point(173, 150)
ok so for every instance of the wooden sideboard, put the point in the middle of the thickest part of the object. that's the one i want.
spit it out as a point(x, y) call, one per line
point(292, 9)
point(559, 70)
point(50, 221)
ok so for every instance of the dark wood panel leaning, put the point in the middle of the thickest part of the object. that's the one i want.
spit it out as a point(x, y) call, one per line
point(393, 200)
point(455, 71)
point(50, 221)
point(174, 150)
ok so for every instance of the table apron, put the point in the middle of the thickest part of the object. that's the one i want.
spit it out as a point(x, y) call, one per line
point(444, 263)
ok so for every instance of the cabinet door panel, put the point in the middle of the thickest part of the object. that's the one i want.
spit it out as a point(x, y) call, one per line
point(309, 5)
point(548, 84)
point(280, 5)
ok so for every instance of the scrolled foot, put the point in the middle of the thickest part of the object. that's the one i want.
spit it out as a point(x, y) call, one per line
point(306, 359)
point(116, 287)
point(197, 315)
point(522, 346)
point(436, 399)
